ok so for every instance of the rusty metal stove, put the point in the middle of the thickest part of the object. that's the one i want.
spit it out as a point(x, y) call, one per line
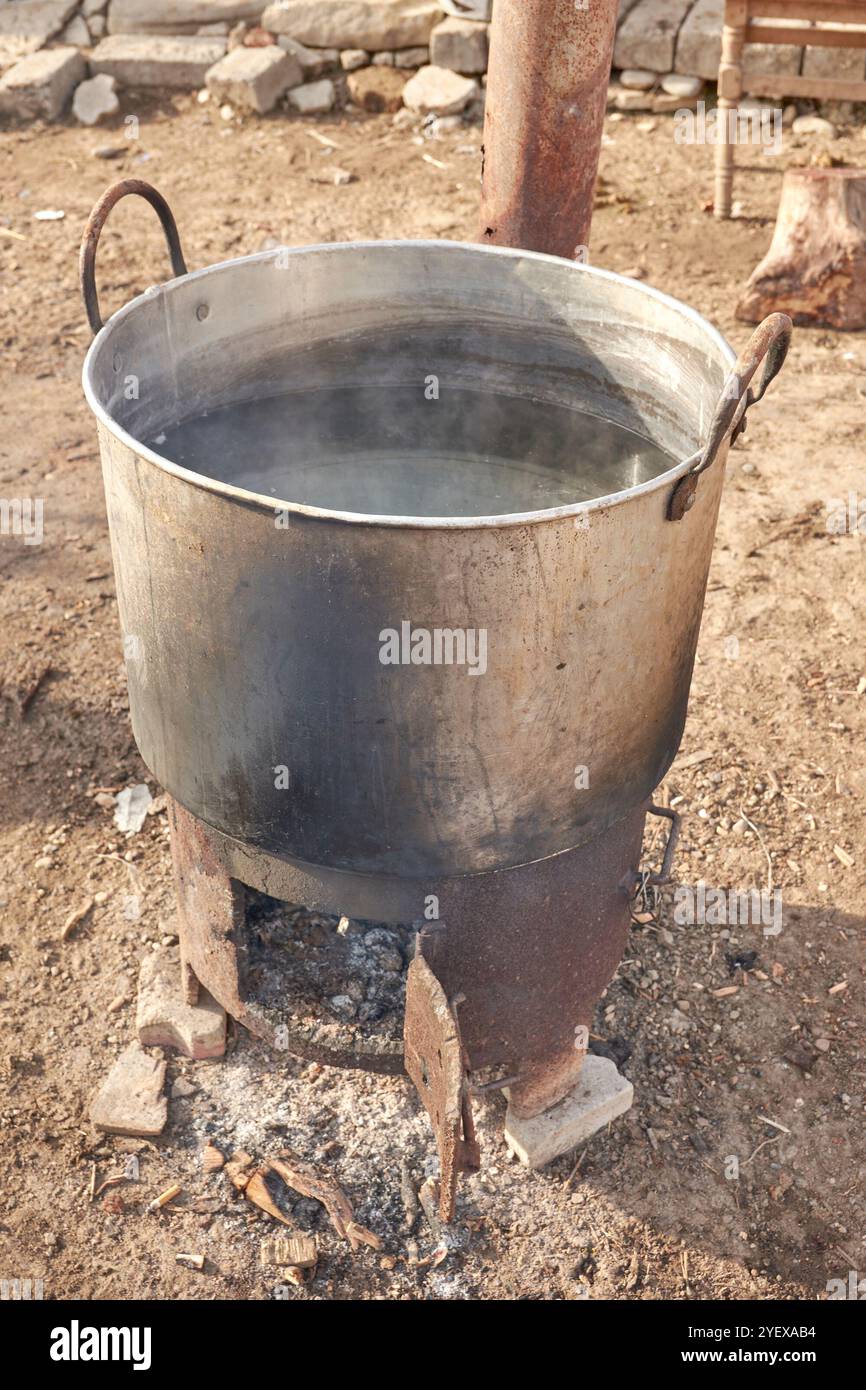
point(505, 978)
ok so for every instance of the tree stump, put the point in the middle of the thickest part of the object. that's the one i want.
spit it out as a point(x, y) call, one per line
point(815, 269)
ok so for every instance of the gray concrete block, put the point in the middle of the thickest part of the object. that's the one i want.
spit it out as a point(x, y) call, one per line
point(844, 64)
point(254, 79)
point(41, 85)
point(371, 24)
point(178, 16)
point(699, 42)
point(761, 59)
point(647, 36)
point(146, 60)
point(28, 24)
point(459, 44)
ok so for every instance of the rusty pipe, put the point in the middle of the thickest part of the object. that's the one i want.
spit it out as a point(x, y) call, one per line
point(546, 95)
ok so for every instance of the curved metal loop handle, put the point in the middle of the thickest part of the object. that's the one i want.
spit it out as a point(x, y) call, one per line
point(636, 882)
point(770, 341)
point(92, 231)
point(676, 820)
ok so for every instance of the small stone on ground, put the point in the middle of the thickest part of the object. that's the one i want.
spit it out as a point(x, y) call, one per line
point(131, 1099)
point(95, 99)
point(638, 79)
point(352, 58)
point(377, 89)
point(440, 90)
point(678, 85)
point(314, 98)
point(814, 125)
point(212, 1159)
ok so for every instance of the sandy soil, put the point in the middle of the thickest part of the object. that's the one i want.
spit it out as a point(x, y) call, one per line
point(648, 1212)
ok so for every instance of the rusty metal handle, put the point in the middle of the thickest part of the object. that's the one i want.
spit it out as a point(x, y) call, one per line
point(770, 341)
point(93, 229)
point(676, 820)
point(655, 880)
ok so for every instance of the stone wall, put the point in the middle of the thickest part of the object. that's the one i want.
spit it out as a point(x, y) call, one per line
point(667, 48)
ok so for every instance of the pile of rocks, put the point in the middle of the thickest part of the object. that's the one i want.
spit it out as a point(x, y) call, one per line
point(430, 54)
point(639, 89)
point(310, 55)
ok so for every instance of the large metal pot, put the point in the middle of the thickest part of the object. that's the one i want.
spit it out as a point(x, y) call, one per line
point(252, 623)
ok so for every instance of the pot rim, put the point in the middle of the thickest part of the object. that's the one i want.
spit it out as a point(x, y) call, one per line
point(271, 505)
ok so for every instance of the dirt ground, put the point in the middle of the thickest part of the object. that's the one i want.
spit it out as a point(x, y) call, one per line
point(648, 1209)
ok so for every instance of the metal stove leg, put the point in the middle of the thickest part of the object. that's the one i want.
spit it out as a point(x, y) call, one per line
point(211, 905)
point(532, 950)
point(541, 1086)
point(211, 908)
point(436, 1062)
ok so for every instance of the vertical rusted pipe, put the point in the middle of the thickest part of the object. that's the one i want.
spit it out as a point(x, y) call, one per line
point(546, 94)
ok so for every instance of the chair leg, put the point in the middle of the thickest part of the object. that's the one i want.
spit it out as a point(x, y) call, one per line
point(730, 91)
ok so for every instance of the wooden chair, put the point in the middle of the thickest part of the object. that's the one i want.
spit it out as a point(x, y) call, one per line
point(740, 29)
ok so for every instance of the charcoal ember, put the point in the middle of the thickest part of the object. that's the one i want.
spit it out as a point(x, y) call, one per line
point(616, 1049)
point(742, 960)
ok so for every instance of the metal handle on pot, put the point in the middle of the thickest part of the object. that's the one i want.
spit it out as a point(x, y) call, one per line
point(770, 340)
point(637, 883)
point(95, 223)
point(664, 873)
